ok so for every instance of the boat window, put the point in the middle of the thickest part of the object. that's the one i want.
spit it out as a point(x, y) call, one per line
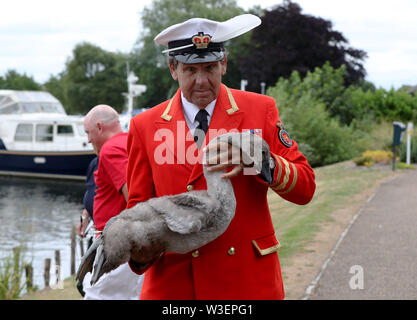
point(65, 129)
point(44, 132)
point(4, 100)
point(11, 109)
point(30, 107)
point(60, 108)
point(23, 95)
point(47, 107)
point(51, 107)
point(24, 132)
point(17, 101)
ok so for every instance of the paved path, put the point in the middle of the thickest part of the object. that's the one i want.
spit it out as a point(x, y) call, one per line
point(381, 242)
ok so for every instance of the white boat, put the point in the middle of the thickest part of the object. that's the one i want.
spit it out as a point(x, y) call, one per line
point(38, 138)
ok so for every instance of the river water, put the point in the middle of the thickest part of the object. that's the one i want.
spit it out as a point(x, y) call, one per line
point(38, 214)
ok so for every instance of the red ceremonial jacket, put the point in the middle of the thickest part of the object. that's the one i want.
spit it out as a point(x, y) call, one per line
point(243, 262)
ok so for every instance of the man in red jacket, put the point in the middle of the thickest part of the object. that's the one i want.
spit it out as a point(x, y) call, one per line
point(164, 144)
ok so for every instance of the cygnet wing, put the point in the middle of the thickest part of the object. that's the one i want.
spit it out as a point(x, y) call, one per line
point(184, 213)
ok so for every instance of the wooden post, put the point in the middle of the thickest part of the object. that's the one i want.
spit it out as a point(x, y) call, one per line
point(57, 266)
point(29, 277)
point(16, 257)
point(46, 273)
point(16, 267)
point(73, 232)
point(82, 247)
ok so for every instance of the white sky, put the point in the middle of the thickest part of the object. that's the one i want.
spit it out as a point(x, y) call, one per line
point(37, 37)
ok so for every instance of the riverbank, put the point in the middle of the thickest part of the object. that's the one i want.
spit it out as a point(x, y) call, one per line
point(307, 233)
point(67, 291)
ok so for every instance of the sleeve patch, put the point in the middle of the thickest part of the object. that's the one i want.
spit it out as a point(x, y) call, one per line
point(284, 136)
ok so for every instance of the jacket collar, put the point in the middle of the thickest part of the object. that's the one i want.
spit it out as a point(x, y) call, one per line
point(226, 116)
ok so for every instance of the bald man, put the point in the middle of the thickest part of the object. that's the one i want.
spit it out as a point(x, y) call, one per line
point(109, 141)
point(105, 133)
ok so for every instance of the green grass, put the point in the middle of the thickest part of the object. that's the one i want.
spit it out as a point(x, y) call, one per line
point(68, 292)
point(337, 186)
point(403, 165)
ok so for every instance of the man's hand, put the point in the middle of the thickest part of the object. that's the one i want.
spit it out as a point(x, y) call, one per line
point(148, 254)
point(223, 155)
point(82, 225)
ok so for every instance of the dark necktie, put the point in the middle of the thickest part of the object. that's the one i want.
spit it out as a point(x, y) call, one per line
point(201, 130)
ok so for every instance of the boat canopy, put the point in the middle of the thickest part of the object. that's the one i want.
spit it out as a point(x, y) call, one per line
point(17, 102)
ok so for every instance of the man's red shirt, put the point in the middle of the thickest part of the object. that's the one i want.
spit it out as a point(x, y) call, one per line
point(110, 178)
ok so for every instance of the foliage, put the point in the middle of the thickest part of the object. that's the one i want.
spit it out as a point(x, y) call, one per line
point(400, 105)
point(403, 165)
point(93, 76)
point(380, 104)
point(56, 86)
point(363, 161)
point(322, 112)
point(12, 80)
point(288, 40)
point(325, 84)
point(11, 273)
point(371, 135)
point(321, 138)
point(149, 63)
point(357, 105)
point(369, 157)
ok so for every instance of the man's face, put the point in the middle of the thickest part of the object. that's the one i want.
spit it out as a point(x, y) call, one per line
point(199, 82)
point(94, 134)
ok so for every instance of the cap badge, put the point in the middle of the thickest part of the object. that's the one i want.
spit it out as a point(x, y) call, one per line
point(201, 40)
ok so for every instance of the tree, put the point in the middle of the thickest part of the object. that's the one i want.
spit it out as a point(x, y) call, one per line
point(149, 63)
point(304, 108)
point(93, 76)
point(288, 40)
point(14, 81)
point(56, 86)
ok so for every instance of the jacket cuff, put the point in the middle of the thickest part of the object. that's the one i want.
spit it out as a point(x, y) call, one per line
point(285, 176)
point(267, 173)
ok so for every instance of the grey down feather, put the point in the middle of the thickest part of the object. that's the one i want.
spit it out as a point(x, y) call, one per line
point(181, 223)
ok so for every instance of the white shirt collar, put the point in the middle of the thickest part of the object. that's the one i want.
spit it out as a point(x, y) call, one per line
point(190, 110)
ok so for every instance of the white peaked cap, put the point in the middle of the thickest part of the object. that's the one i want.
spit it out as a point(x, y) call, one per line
point(219, 31)
point(178, 37)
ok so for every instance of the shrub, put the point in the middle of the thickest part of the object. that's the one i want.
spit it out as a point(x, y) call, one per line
point(369, 157)
point(363, 161)
point(379, 156)
point(333, 123)
point(321, 138)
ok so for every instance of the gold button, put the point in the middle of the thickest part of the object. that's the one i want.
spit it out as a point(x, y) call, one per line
point(190, 187)
point(231, 251)
point(195, 254)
